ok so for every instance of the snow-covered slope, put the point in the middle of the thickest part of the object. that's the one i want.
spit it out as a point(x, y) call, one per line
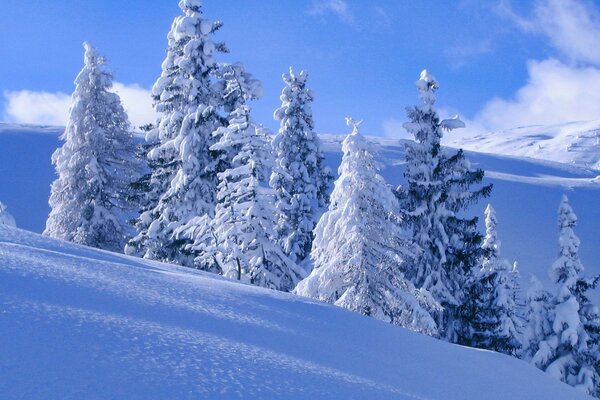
point(80, 323)
point(575, 143)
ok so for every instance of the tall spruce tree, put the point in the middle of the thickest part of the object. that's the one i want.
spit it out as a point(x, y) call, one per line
point(95, 165)
point(358, 251)
point(433, 202)
point(569, 353)
point(490, 313)
point(300, 178)
point(183, 182)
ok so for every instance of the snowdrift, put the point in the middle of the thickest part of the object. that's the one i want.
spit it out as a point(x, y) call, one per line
point(82, 323)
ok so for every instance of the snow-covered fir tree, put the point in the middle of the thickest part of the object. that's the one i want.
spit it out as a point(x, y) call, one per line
point(238, 87)
point(300, 178)
point(517, 297)
point(568, 353)
point(183, 182)
point(245, 246)
point(245, 219)
point(538, 316)
point(359, 251)
point(491, 317)
point(433, 202)
point(5, 217)
point(95, 165)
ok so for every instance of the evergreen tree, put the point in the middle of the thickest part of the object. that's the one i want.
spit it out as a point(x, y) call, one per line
point(538, 316)
point(517, 298)
point(489, 307)
point(300, 178)
point(358, 251)
point(5, 217)
point(240, 241)
point(437, 194)
point(568, 353)
point(183, 183)
point(95, 165)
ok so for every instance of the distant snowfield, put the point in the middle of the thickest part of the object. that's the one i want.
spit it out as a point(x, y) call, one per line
point(575, 143)
point(526, 193)
point(81, 323)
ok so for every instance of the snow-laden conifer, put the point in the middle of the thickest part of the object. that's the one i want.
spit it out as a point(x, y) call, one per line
point(6, 218)
point(95, 165)
point(434, 200)
point(300, 178)
point(538, 316)
point(244, 245)
point(568, 352)
point(491, 317)
point(183, 182)
point(358, 251)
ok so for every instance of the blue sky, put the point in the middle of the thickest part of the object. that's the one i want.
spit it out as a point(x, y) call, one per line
point(500, 63)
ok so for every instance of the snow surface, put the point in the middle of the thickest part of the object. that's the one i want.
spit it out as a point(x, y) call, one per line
point(576, 143)
point(82, 323)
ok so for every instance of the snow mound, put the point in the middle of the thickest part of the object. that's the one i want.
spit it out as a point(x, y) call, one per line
point(575, 143)
point(82, 323)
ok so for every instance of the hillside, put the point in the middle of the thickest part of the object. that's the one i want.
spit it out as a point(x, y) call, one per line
point(526, 193)
point(575, 143)
point(81, 323)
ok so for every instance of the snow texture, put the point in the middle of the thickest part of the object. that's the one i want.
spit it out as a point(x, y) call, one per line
point(81, 323)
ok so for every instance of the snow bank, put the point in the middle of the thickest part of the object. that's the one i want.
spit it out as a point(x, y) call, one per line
point(82, 323)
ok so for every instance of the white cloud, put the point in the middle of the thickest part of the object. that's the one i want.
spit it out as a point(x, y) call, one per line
point(572, 27)
point(557, 90)
point(137, 102)
point(554, 93)
point(337, 7)
point(43, 108)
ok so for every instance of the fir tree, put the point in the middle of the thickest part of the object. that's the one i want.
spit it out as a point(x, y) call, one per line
point(437, 194)
point(300, 178)
point(245, 220)
point(240, 241)
point(244, 245)
point(183, 183)
point(5, 217)
point(95, 165)
point(517, 298)
point(491, 317)
point(538, 316)
point(358, 251)
point(568, 353)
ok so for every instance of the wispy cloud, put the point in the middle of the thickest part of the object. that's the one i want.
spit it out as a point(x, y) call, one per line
point(558, 89)
point(339, 8)
point(571, 26)
point(382, 17)
point(44, 108)
point(460, 55)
